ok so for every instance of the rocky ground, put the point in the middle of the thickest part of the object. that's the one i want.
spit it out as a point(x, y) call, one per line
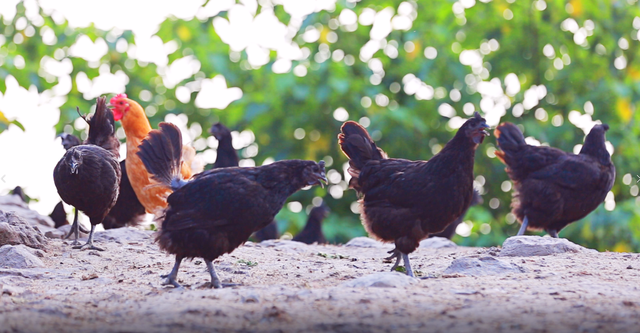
point(531, 284)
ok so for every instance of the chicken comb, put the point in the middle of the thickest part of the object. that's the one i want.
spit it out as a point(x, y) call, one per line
point(116, 98)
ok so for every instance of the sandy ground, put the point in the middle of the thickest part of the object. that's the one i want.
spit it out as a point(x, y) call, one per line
point(294, 287)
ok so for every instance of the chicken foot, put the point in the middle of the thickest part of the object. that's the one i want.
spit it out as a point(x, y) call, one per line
point(552, 233)
point(394, 254)
point(171, 277)
point(89, 245)
point(523, 227)
point(399, 255)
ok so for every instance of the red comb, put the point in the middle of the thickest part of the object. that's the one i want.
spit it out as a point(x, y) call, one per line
point(117, 97)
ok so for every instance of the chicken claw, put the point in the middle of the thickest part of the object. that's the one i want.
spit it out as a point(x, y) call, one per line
point(89, 245)
point(399, 255)
point(395, 254)
point(171, 277)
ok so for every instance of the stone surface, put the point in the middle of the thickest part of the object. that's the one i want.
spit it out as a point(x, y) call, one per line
point(15, 230)
point(54, 233)
point(13, 203)
point(482, 266)
point(121, 291)
point(437, 243)
point(10, 290)
point(124, 234)
point(364, 242)
point(285, 245)
point(18, 257)
point(381, 280)
point(528, 246)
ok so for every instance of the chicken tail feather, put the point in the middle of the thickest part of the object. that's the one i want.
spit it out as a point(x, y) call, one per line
point(356, 143)
point(102, 128)
point(161, 153)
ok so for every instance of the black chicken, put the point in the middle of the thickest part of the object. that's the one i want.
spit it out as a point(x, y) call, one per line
point(227, 156)
point(20, 193)
point(128, 211)
point(69, 140)
point(312, 232)
point(450, 230)
point(217, 210)
point(404, 201)
point(553, 188)
point(59, 216)
point(88, 176)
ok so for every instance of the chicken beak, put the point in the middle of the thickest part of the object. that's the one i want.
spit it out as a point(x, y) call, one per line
point(74, 168)
point(485, 128)
point(322, 180)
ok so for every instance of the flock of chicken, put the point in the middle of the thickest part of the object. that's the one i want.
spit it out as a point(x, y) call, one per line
point(207, 214)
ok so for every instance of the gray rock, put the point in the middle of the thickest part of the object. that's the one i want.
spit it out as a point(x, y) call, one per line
point(381, 280)
point(527, 246)
point(482, 266)
point(124, 234)
point(364, 242)
point(437, 243)
point(54, 234)
point(285, 245)
point(11, 290)
point(15, 230)
point(18, 257)
point(9, 203)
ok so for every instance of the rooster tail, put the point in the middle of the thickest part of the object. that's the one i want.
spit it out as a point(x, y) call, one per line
point(510, 140)
point(161, 153)
point(102, 128)
point(356, 143)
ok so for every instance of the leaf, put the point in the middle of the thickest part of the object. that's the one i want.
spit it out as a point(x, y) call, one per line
point(17, 123)
point(623, 106)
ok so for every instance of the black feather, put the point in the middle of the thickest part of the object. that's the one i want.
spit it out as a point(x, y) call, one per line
point(161, 154)
point(102, 128)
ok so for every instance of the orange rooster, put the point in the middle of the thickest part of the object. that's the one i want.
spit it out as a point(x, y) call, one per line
point(136, 127)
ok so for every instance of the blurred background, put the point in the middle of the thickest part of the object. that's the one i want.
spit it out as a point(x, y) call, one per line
point(285, 74)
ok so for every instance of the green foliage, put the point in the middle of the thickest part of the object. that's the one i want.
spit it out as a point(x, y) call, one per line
point(4, 123)
point(332, 256)
point(274, 105)
point(248, 263)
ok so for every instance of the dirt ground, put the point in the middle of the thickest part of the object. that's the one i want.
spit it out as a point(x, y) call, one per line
point(293, 287)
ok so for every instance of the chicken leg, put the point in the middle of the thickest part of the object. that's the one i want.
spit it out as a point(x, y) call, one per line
point(89, 245)
point(407, 265)
point(171, 277)
point(523, 227)
point(74, 229)
point(552, 233)
point(215, 281)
